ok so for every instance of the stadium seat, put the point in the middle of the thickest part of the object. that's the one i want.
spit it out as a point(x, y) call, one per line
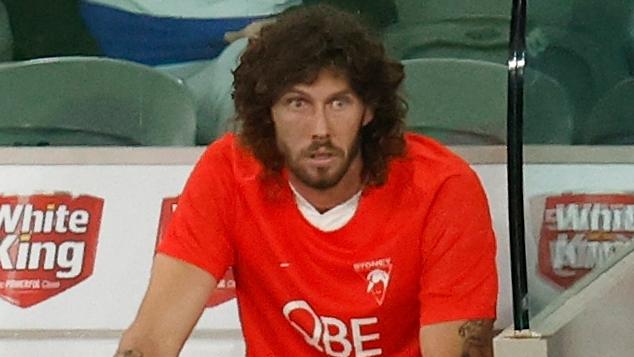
point(6, 36)
point(548, 12)
point(70, 101)
point(548, 110)
point(611, 23)
point(464, 102)
point(455, 29)
point(611, 121)
point(586, 65)
point(433, 11)
point(456, 101)
point(476, 39)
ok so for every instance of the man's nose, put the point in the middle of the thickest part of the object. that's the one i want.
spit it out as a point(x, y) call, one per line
point(321, 125)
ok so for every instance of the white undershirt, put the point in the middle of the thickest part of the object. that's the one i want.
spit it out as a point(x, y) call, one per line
point(330, 220)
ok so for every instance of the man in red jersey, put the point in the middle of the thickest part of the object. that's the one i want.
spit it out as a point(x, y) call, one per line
point(347, 236)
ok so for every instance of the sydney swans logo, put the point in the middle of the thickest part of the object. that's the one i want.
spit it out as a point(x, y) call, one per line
point(377, 275)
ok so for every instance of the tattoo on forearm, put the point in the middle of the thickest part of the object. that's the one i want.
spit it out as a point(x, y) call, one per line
point(128, 353)
point(477, 338)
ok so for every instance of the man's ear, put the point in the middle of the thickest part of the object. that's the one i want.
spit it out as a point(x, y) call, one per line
point(272, 115)
point(368, 115)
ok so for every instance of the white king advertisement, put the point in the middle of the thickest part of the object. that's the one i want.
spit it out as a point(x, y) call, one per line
point(580, 232)
point(48, 244)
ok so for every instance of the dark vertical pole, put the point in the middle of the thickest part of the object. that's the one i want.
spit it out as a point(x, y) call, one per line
point(514, 164)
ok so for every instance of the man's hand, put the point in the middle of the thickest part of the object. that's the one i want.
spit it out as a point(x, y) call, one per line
point(252, 30)
point(465, 338)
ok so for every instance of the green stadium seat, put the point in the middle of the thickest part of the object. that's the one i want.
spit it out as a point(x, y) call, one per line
point(67, 101)
point(586, 67)
point(476, 39)
point(433, 11)
point(611, 23)
point(477, 30)
point(456, 101)
point(548, 12)
point(463, 102)
point(548, 110)
point(611, 121)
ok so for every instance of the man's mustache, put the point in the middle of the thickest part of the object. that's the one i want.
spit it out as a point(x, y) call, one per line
point(322, 145)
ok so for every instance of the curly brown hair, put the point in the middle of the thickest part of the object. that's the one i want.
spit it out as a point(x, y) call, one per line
point(293, 50)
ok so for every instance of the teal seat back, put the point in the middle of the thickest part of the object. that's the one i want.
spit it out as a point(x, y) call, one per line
point(476, 39)
point(548, 110)
point(432, 11)
point(92, 101)
point(548, 12)
point(477, 30)
point(611, 121)
point(456, 101)
point(465, 102)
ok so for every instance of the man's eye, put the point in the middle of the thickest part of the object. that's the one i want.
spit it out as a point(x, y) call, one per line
point(339, 103)
point(296, 103)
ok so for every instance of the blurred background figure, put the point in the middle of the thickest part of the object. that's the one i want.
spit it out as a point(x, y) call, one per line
point(197, 41)
point(6, 37)
point(200, 41)
point(377, 14)
point(175, 31)
point(45, 28)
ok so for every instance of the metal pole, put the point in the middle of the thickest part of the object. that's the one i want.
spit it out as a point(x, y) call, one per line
point(514, 164)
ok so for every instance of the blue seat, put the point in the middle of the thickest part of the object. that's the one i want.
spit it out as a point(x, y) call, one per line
point(92, 101)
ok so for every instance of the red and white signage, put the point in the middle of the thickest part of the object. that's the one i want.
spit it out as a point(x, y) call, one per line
point(226, 288)
point(48, 244)
point(580, 232)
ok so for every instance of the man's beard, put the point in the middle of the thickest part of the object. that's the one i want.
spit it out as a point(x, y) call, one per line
point(324, 180)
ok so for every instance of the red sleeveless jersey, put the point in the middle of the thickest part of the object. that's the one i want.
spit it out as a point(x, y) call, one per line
point(419, 250)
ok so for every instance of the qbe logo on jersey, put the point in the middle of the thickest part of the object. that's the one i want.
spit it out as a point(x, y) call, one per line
point(581, 231)
point(226, 288)
point(47, 244)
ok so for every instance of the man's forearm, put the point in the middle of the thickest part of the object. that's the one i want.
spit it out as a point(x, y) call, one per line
point(462, 338)
point(477, 336)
